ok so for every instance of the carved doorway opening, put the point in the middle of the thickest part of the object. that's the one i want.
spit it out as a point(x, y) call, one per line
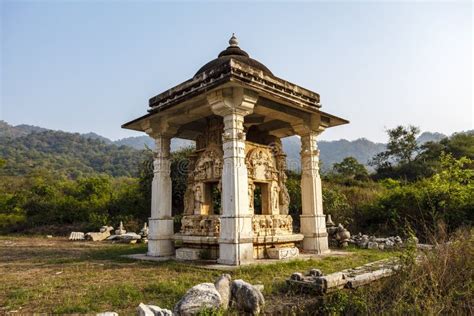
point(212, 198)
point(260, 198)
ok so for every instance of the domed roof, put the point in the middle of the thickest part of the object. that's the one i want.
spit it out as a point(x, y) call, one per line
point(233, 51)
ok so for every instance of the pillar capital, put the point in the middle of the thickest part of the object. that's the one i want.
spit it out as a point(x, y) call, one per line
point(159, 128)
point(233, 100)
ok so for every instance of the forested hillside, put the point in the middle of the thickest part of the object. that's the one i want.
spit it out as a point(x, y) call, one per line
point(64, 153)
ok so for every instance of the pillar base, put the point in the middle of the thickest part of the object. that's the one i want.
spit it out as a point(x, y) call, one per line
point(160, 238)
point(313, 227)
point(235, 254)
point(317, 245)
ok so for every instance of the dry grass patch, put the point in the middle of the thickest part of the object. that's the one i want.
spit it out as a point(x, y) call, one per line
point(58, 276)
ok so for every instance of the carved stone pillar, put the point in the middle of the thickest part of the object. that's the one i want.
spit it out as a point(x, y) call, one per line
point(313, 223)
point(236, 235)
point(160, 237)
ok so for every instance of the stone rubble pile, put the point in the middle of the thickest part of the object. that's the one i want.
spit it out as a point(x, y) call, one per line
point(121, 235)
point(244, 297)
point(372, 242)
point(321, 284)
point(340, 237)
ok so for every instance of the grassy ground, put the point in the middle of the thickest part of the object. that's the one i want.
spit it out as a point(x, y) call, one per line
point(58, 276)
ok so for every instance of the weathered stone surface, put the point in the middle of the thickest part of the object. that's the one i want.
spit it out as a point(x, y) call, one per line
point(331, 281)
point(197, 298)
point(223, 287)
point(188, 253)
point(158, 311)
point(76, 236)
point(372, 245)
point(368, 277)
point(144, 310)
point(94, 236)
point(315, 272)
point(246, 298)
point(283, 253)
point(107, 314)
point(125, 238)
point(297, 276)
point(103, 234)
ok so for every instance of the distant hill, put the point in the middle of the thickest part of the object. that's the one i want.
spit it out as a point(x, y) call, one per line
point(430, 137)
point(333, 151)
point(141, 142)
point(26, 149)
point(92, 152)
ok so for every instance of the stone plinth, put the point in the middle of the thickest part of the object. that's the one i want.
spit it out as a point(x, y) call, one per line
point(283, 253)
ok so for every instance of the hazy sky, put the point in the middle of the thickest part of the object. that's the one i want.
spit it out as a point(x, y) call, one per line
point(90, 66)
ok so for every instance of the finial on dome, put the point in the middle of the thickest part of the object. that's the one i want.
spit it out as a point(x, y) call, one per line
point(233, 42)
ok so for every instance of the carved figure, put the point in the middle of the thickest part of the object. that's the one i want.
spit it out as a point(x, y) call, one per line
point(275, 195)
point(197, 199)
point(251, 191)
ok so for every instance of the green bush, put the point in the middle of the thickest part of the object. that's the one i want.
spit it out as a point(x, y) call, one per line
point(448, 196)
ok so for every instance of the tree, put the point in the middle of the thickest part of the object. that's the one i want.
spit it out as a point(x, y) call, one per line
point(351, 168)
point(401, 148)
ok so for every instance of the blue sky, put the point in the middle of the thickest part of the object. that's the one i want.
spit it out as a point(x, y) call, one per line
point(90, 65)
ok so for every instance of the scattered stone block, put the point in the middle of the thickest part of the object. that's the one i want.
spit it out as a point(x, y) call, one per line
point(368, 277)
point(120, 230)
point(223, 287)
point(197, 298)
point(144, 310)
point(315, 272)
point(158, 311)
point(372, 245)
point(330, 281)
point(297, 276)
point(76, 236)
point(128, 238)
point(246, 298)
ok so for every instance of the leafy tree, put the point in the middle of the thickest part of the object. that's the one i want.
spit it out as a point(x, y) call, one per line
point(351, 168)
point(401, 147)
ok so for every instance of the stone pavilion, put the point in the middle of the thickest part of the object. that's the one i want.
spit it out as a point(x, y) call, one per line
point(236, 201)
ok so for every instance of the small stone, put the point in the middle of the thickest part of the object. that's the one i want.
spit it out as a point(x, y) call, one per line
point(107, 314)
point(197, 298)
point(144, 310)
point(158, 311)
point(246, 298)
point(381, 246)
point(297, 276)
point(372, 245)
point(223, 287)
point(315, 272)
point(389, 244)
point(49, 236)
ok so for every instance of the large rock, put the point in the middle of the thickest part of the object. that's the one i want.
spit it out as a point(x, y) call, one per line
point(223, 287)
point(197, 298)
point(246, 298)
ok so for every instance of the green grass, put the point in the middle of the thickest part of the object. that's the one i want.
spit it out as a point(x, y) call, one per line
point(57, 276)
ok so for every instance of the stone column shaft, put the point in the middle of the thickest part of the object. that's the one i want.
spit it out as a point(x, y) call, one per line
point(160, 237)
point(236, 235)
point(313, 221)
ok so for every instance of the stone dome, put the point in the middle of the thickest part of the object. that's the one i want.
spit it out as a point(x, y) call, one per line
point(233, 51)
